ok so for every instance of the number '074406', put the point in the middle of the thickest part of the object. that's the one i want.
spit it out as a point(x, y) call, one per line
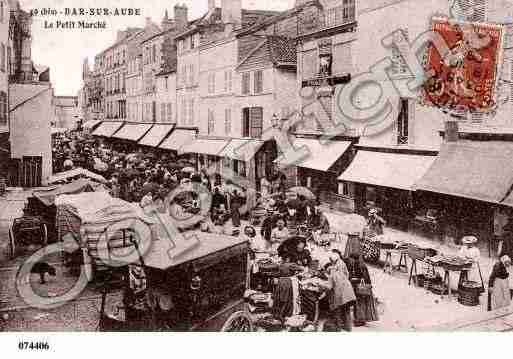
point(33, 346)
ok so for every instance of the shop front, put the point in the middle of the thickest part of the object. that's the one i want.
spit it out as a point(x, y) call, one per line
point(385, 181)
point(319, 168)
point(467, 187)
point(128, 135)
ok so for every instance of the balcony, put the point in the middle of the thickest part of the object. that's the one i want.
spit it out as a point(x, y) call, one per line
point(339, 15)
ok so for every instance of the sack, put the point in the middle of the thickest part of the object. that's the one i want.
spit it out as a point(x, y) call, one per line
point(363, 289)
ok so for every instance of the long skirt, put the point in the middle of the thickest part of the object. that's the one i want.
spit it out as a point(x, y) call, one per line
point(500, 296)
point(353, 246)
point(365, 309)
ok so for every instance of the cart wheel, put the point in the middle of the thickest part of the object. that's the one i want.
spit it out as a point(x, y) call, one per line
point(238, 322)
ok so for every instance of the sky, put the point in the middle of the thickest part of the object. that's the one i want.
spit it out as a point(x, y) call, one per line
point(64, 50)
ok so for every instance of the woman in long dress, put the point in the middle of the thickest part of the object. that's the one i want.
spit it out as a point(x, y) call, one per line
point(468, 250)
point(498, 285)
point(365, 308)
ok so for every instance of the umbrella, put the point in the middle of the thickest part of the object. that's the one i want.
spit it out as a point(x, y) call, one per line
point(185, 162)
point(293, 203)
point(289, 244)
point(188, 169)
point(151, 187)
point(131, 173)
point(302, 191)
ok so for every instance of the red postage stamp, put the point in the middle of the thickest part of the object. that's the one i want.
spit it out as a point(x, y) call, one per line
point(465, 78)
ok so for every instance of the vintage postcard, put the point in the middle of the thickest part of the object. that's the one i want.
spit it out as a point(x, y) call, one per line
point(255, 166)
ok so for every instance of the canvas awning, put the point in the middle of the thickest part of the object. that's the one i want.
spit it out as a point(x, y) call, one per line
point(394, 170)
point(76, 172)
point(481, 170)
point(241, 149)
point(177, 139)
point(155, 135)
point(90, 124)
point(132, 131)
point(206, 146)
point(47, 196)
point(107, 129)
point(320, 156)
point(58, 130)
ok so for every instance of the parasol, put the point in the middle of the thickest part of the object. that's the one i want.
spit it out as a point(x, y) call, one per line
point(151, 187)
point(302, 191)
point(293, 203)
point(289, 245)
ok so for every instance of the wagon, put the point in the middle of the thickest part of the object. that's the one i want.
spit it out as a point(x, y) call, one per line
point(201, 289)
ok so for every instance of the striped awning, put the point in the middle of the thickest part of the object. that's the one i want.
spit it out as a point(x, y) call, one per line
point(241, 149)
point(206, 146)
point(107, 128)
point(178, 138)
point(156, 135)
point(132, 131)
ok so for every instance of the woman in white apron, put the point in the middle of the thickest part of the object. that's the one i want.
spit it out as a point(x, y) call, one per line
point(468, 250)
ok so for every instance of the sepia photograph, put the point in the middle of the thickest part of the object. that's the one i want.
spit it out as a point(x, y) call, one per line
point(255, 166)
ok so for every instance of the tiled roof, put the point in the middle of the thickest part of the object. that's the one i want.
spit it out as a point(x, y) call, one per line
point(281, 50)
point(278, 16)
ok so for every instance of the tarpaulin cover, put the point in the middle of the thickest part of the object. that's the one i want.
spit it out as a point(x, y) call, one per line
point(76, 172)
point(47, 196)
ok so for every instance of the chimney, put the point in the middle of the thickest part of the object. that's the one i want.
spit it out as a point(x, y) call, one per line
point(231, 12)
point(148, 22)
point(451, 130)
point(181, 18)
point(211, 5)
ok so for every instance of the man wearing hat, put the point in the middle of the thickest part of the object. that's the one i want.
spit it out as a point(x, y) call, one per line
point(375, 222)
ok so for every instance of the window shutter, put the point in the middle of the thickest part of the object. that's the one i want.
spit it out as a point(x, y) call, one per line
point(309, 64)
point(256, 121)
point(411, 120)
point(324, 114)
point(169, 113)
point(162, 112)
point(342, 59)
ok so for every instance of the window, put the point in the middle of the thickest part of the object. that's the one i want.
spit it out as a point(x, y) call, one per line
point(258, 81)
point(191, 74)
point(154, 53)
point(228, 81)
point(180, 46)
point(3, 108)
point(183, 112)
point(165, 82)
point(245, 83)
point(402, 122)
point(169, 113)
point(227, 121)
point(211, 83)
point(191, 111)
point(162, 112)
point(1, 11)
point(193, 41)
point(211, 125)
point(2, 58)
point(252, 122)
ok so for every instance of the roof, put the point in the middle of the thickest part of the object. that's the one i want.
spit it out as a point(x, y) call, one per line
point(282, 50)
point(278, 16)
point(21, 93)
point(76, 172)
point(394, 170)
point(249, 19)
point(480, 170)
point(277, 50)
point(313, 154)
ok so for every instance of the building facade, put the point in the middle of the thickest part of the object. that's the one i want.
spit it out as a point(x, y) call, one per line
point(67, 112)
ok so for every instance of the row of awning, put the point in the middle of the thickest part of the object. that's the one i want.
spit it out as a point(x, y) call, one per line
point(479, 170)
point(182, 140)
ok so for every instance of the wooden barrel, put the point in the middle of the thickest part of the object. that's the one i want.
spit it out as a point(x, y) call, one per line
point(469, 292)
